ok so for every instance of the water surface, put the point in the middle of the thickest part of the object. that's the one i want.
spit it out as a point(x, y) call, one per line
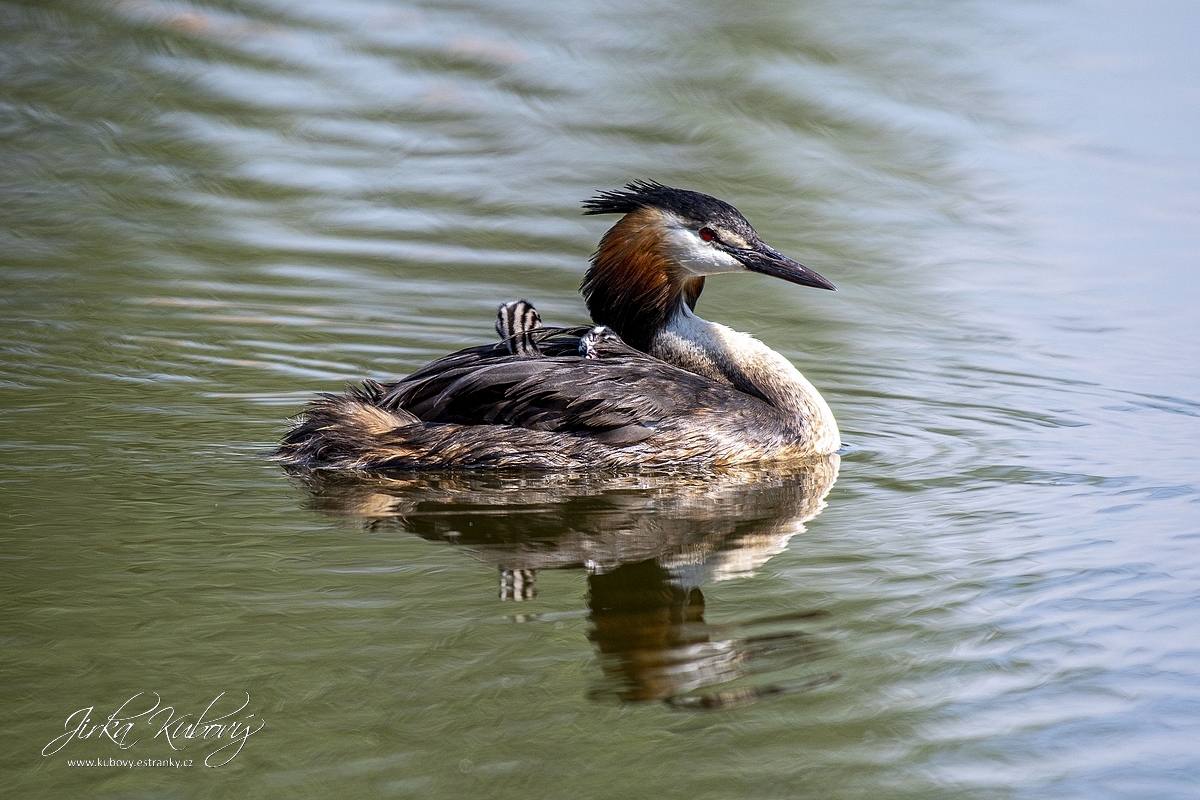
point(212, 211)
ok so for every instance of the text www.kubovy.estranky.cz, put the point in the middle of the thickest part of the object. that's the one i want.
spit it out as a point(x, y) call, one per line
point(129, 763)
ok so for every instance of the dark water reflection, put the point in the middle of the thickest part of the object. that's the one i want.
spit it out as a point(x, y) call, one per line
point(649, 545)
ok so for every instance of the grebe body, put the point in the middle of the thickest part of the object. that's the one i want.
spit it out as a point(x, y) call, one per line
point(650, 386)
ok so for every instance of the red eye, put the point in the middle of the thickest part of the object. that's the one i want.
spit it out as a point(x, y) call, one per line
point(707, 234)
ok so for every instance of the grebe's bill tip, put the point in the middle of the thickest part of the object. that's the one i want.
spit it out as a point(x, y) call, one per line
point(768, 261)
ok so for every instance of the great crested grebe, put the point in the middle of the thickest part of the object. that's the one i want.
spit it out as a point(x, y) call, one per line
point(651, 386)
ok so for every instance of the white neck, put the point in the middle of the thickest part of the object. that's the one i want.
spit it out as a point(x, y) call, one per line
point(741, 361)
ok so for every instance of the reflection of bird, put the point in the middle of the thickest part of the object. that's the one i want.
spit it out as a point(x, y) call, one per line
point(657, 387)
point(649, 543)
point(656, 645)
point(701, 526)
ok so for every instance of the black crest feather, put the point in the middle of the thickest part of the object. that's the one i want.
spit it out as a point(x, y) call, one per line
point(642, 194)
point(636, 194)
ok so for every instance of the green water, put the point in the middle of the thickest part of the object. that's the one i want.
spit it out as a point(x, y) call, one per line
point(211, 211)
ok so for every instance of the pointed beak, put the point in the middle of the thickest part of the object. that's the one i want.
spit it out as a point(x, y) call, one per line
point(771, 262)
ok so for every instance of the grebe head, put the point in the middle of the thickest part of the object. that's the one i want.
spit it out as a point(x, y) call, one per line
point(653, 261)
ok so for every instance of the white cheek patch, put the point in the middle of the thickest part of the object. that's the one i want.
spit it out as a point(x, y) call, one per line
point(733, 240)
point(697, 256)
